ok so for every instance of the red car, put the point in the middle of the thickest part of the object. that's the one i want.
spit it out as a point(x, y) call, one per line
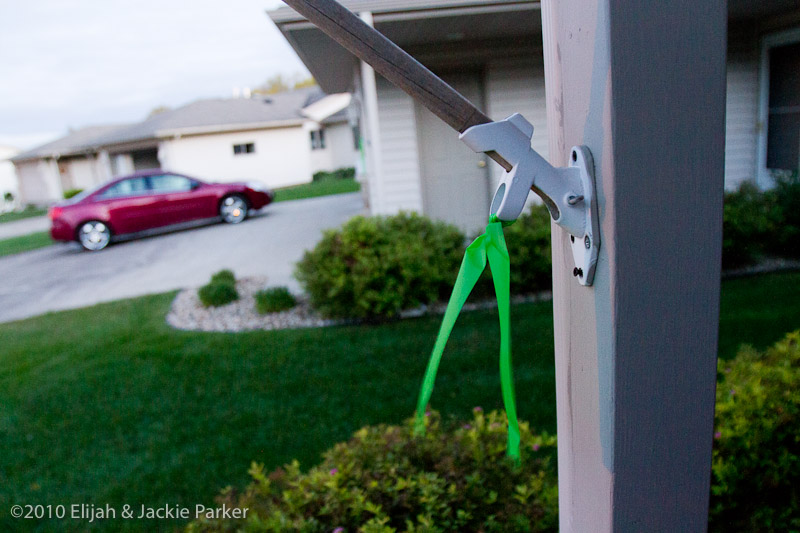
point(150, 199)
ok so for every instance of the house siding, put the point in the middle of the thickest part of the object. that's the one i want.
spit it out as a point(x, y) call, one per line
point(341, 145)
point(741, 123)
point(8, 177)
point(281, 157)
point(339, 151)
point(518, 88)
point(39, 183)
point(400, 187)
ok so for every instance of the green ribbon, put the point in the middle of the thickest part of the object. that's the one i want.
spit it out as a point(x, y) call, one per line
point(491, 245)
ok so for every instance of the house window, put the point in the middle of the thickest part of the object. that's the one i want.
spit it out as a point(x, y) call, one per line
point(356, 137)
point(245, 148)
point(318, 139)
point(783, 120)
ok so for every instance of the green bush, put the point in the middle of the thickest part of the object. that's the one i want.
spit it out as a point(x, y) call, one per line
point(528, 241)
point(378, 266)
point(747, 224)
point(224, 276)
point(347, 173)
point(756, 466)
point(220, 290)
point(786, 201)
point(274, 299)
point(385, 479)
point(69, 193)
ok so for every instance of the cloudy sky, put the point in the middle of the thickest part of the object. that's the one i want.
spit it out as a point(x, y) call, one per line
point(71, 64)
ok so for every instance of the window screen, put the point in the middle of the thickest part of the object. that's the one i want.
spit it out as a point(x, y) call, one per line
point(783, 131)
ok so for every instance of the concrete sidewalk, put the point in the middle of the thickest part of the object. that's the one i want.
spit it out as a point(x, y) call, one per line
point(23, 227)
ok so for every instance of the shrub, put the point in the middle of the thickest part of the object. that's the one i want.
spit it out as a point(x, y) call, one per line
point(756, 223)
point(375, 267)
point(528, 241)
point(756, 466)
point(387, 479)
point(217, 294)
point(786, 200)
point(274, 300)
point(224, 276)
point(338, 174)
point(69, 193)
point(220, 290)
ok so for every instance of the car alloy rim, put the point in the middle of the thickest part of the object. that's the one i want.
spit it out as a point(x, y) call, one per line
point(233, 209)
point(94, 235)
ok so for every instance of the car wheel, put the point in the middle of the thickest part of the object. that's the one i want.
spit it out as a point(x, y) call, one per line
point(233, 209)
point(94, 235)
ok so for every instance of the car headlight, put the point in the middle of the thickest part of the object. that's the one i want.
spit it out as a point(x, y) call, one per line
point(258, 186)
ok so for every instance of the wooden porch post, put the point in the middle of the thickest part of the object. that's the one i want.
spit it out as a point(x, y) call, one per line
point(372, 134)
point(642, 84)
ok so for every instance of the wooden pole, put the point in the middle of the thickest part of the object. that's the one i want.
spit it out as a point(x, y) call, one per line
point(642, 84)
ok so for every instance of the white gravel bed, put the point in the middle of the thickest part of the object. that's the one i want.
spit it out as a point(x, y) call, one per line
point(187, 313)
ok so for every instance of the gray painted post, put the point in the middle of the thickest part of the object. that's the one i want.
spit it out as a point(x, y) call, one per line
point(642, 84)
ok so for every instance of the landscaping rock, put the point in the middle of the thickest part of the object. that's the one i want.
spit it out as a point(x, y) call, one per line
point(189, 314)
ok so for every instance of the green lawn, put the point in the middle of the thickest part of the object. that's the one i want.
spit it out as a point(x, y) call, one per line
point(109, 405)
point(19, 215)
point(324, 187)
point(24, 243)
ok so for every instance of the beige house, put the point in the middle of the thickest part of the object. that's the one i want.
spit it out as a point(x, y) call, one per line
point(491, 51)
point(280, 140)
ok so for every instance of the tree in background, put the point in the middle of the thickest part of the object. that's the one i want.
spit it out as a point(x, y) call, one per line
point(280, 83)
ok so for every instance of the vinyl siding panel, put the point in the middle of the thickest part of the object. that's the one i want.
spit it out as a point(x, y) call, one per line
point(281, 158)
point(518, 88)
point(400, 177)
point(741, 123)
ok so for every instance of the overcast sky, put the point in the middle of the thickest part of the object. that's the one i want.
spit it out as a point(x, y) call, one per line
point(75, 63)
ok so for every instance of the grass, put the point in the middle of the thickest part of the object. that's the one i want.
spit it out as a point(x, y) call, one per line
point(25, 213)
point(24, 243)
point(109, 405)
point(323, 187)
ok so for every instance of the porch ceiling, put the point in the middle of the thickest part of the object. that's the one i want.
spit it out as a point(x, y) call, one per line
point(449, 23)
point(333, 66)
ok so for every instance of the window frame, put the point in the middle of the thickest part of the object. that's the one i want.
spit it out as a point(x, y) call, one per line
point(245, 148)
point(318, 141)
point(768, 42)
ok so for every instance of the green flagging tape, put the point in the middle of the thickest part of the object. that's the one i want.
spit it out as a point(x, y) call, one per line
point(492, 246)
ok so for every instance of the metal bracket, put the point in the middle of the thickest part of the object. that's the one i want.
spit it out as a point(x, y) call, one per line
point(569, 193)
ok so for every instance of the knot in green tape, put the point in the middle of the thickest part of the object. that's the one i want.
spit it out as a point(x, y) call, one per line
point(492, 246)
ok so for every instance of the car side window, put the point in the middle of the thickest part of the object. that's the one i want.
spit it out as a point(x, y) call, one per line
point(170, 183)
point(128, 187)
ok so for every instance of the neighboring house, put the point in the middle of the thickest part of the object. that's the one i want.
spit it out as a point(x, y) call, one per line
point(491, 52)
point(8, 178)
point(279, 139)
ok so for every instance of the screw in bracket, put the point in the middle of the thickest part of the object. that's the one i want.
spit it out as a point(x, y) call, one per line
point(573, 200)
point(587, 242)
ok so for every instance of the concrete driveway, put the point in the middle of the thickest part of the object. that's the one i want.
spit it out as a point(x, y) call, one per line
point(63, 276)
